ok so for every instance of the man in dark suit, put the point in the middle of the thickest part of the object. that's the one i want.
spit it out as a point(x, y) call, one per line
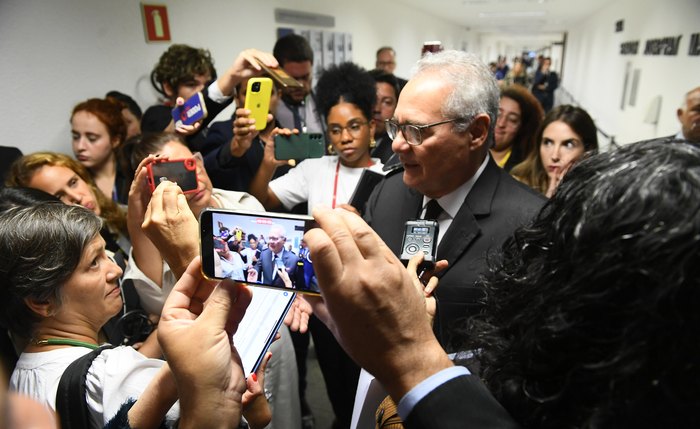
point(442, 129)
point(275, 257)
point(545, 83)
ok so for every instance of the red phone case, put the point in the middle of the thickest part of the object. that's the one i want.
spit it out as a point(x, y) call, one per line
point(181, 171)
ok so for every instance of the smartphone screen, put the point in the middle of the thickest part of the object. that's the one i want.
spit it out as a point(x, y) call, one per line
point(283, 261)
point(262, 320)
point(180, 171)
point(257, 100)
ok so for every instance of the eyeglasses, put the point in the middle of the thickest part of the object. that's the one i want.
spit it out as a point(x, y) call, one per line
point(354, 128)
point(412, 133)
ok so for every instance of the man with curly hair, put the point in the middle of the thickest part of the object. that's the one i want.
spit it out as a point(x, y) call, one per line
point(182, 71)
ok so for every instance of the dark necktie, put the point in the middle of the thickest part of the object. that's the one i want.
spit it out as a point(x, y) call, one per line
point(433, 210)
point(297, 117)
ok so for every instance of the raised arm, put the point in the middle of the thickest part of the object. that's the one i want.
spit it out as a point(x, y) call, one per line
point(260, 185)
point(244, 66)
point(172, 227)
point(210, 381)
point(144, 253)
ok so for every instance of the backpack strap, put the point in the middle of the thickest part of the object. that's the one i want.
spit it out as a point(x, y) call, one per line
point(71, 404)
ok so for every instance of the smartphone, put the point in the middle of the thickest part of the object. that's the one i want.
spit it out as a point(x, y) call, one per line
point(257, 100)
point(262, 320)
point(420, 236)
point(299, 146)
point(368, 181)
point(279, 265)
point(181, 171)
point(191, 111)
point(280, 76)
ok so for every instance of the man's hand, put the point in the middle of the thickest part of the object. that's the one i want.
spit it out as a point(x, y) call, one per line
point(244, 66)
point(195, 331)
point(172, 227)
point(297, 318)
point(378, 312)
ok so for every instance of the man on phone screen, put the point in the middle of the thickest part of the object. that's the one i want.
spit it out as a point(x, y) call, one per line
point(276, 258)
point(298, 109)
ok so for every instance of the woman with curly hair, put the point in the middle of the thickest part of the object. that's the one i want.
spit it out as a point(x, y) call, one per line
point(98, 130)
point(519, 117)
point(345, 96)
point(591, 318)
point(566, 134)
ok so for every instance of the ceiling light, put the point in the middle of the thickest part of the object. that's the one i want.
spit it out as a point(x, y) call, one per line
point(522, 14)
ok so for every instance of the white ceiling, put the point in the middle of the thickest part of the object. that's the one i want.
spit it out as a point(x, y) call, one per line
point(511, 17)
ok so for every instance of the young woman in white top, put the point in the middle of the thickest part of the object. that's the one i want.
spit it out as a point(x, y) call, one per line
point(345, 96)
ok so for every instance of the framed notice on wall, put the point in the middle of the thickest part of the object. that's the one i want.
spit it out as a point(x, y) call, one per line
point(155, 22)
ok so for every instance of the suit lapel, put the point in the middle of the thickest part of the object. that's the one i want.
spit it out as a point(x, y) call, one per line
point(465, 226)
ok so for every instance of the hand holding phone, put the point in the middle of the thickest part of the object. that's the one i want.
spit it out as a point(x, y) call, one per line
point(180, 171)
point(257, 100)
point(280, 76)
point(191, 111)
point(277, 267)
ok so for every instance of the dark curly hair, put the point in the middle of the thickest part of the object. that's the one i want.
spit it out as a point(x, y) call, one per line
point(179, 64)
point(349, 83)
point(591, 319)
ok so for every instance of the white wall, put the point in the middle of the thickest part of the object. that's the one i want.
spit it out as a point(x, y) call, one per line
point(594, 69)
point(55, 54)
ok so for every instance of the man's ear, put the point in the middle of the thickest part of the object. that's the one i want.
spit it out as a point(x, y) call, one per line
point(479, 131)
point(43, 309)
point(679, 113)
point(168, 90)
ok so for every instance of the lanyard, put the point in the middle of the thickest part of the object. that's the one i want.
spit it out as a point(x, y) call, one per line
point(335, 182)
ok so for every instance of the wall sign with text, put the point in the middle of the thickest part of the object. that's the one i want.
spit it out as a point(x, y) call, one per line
point(669, 46)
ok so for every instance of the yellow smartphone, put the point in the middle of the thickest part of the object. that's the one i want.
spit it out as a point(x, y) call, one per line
point(257, 100)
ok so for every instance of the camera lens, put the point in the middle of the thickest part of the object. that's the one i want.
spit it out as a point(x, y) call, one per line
point(256, 87)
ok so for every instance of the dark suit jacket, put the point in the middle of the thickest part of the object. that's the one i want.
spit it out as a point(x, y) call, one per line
point(463, 402)
point(265, 266)
point(494, 208)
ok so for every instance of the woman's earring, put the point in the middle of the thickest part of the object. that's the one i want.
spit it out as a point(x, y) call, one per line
point(372, 143)
point(330, 149)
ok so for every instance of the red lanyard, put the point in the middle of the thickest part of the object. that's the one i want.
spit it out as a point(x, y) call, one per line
point(335, 182)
